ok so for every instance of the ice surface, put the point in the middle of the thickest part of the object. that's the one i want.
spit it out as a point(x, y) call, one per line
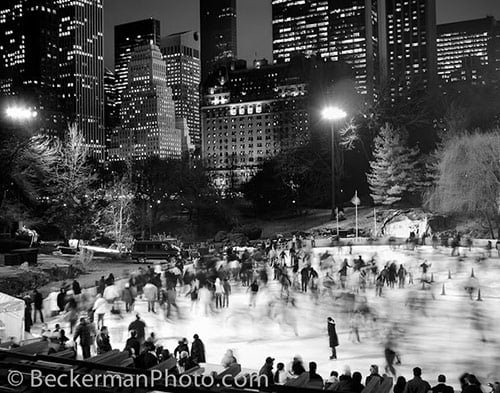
point(443, 340)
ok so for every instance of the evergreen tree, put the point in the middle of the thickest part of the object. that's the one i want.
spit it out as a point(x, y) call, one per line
point(395, 171)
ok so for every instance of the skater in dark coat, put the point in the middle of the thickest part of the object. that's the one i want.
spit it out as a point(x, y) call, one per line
point(77, 289)
point(198, 350)
point(332, 335)
point(61, 299)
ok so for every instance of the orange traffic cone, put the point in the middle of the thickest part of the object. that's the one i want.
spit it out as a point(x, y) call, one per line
point(443, 292)
point(472, 273)
point(449, 274)
point(479, 295)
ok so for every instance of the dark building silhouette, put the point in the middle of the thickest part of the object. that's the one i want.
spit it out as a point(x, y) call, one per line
point(388, 43)
point(181, 52)
point(469, 51)
point(354, 35)
point(29, 59)
point(250, 115)
point(218, 34)
point(409, 47)
point(299, 27)
point(111, 115)
point(128, 36)
point(81, 69)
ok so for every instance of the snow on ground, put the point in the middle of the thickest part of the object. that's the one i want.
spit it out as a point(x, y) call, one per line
point(443, 340)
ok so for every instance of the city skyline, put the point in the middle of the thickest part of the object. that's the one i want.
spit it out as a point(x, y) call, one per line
point(253, 20)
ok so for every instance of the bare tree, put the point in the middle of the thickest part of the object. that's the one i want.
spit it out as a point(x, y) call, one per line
point(116, 216)
point(468, 180)
point(75, 197)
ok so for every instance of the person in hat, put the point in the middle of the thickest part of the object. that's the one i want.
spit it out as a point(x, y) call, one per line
point(140, 328)
point(183, 346)
point(103, 341)
point(332, 335)
point(128, 298)
point(186, 362)
point(133, 345)
point(83, 333)
point(198, 350)
point(267, 370)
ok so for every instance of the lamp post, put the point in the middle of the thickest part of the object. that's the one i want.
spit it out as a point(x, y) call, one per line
point(333, 114)
point(20, 115)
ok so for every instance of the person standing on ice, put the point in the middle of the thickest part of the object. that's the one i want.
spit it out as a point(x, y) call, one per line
point(254, 290)
point(332, 335)
point(401, 276)
point(343, 273)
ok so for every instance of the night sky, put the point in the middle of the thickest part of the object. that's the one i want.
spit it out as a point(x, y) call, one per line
point(254, 20)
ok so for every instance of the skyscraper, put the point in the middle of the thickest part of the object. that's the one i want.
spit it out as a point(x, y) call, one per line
point(127, 37)
point(354, 39)
point(299, 27)
point(29, 58)
point(469, 51)
point(81, 69)
point(181, 52)
point(410, 28)
point(111, 115)
point(218, 34)
point(147, 112)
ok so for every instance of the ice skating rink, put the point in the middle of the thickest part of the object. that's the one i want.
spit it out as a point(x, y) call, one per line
point(449, 334)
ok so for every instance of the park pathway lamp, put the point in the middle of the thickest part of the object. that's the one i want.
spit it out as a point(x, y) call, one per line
point(333, 115)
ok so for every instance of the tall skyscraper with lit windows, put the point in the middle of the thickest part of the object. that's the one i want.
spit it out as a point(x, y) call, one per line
point(29, 59)
point(181, 52)
point(411, 56)
point(147, 112)
point(299, 27)
point(469, 51)
point(81, 69)
point(218, 34)
point(128, 36)
point(354, 38)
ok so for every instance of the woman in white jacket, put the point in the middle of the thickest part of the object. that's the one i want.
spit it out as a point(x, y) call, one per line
point(100, 308)
point(219, 291)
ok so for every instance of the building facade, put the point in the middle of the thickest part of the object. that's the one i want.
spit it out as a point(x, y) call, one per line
point(147, 112)
point(299, 27)
point(181, 52)
point(81, 69)
point(29, 59)
point(354, 35)
point(469, 51)
point(218, 34)
point(128, 36)
point(250, 115)
point(410, 56)
point(111, 115)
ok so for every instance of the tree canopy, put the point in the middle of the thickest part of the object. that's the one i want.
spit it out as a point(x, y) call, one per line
point(468, 178)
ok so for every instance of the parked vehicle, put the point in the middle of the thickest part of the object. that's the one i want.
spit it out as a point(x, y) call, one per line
point(154, 249)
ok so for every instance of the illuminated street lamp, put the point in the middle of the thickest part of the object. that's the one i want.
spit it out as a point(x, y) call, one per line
point(20, 114)
point(333, 114)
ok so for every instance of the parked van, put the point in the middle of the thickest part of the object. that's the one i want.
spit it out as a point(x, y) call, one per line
point(154, 249)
